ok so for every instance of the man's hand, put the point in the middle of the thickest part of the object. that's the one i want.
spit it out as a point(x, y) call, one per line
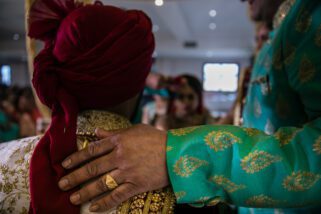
point(135, 158)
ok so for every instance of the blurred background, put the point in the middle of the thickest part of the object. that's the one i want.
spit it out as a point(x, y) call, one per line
point(212, 40)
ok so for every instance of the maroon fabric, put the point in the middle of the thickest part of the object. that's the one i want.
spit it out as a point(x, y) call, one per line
point(95, 57)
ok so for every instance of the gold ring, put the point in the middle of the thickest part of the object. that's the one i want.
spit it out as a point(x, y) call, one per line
point(110, 182)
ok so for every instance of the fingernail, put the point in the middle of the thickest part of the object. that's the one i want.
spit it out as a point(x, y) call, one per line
point(97, 130)
point(63, 183)
point(94, 208)
point(66, 163)
point(75, 198)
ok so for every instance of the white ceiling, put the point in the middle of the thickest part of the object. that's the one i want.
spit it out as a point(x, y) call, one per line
point(178, 21)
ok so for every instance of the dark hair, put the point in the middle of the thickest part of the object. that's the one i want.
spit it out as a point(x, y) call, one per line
point(196, 85)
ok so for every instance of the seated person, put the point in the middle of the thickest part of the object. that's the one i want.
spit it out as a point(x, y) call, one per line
point(95, 58)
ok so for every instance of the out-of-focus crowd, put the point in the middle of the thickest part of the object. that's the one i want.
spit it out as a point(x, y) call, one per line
point(19, 114)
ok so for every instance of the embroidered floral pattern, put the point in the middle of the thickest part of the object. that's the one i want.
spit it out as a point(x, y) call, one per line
point(180, 195)
point(220, 140)
point(14, 177)
point(303, 21)
point(169, 148)
point(285, 136)
point(183, 131)
point(186, 165)
point(258, 160)
point(251, 132)
point(300, 181)
point(262, 201)
point(317, 146)
point(306, 70)
point(226, 184)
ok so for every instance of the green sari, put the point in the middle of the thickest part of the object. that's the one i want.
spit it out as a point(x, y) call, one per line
point(274, 161)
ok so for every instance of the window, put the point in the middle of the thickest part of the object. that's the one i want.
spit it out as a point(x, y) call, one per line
point(6, 74)
point(220, 77)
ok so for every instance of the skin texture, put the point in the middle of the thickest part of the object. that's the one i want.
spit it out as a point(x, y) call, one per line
point(120, 155)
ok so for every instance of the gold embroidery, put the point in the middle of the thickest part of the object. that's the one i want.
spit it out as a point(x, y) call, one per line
point(220, 140)
point(287, 56)
point(306, 70)
point(183, 131)
point(277, 60)
point(251, 132)
point(226, 184)
point(285, 136)
point(303, 21)
point(289, 53)
point(14, 177)
point(317, 146)
point(282, 12)
point(214, 202)
point(258, 160)
point(202, 200)
point(300, 181)
point(160, 201)
point(261, 201)
point(180, 195)
point(186, 165)
point(169, 148)
point(318, 37)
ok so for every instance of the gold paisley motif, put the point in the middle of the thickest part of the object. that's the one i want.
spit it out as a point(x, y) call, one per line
point(289, 53)
point(186, 165)
point(303, 21)
point(300, 181)
point(258, 160)
point(261, 201)
point(317, 146)
point(215, 201)
point(226, 184)
point(306, 70)
point(220, 140)
point(285, 136)
point(282, 12)
point(183, 131)
point(169, 148)
point(277, 60)
point(180, 195)
point(251, 132)
point(318, 37)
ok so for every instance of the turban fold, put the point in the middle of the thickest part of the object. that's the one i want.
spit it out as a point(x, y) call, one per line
point(94, 57)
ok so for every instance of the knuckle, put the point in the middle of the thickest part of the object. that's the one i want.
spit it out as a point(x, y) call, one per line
point(116, 197)
point(91, 170)
point(101, 186)
point(92, 149)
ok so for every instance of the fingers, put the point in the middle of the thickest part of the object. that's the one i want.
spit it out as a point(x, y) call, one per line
point(94, 149)
point(101, 133)
point(88, 171)
point(94, 189)
point(116, 197)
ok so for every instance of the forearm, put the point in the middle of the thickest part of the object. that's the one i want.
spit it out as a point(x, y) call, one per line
point(245, 167)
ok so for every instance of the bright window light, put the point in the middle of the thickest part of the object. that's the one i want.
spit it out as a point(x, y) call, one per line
point(220, 77)
point(6, 74)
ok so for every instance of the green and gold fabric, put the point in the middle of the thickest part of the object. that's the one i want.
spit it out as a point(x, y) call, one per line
point(274, 160)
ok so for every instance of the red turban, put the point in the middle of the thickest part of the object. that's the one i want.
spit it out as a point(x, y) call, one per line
point(95, 57)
